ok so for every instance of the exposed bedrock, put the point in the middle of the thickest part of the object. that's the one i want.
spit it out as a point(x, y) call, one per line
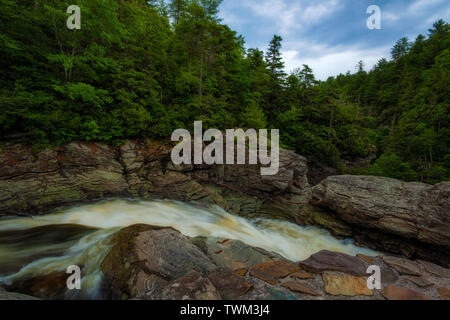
point(151, 263)
point(411, 219)
point(414, 211)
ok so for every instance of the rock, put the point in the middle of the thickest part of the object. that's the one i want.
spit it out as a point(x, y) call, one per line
point(140, 251)
point(419, 281)
point(435, 269)
point(403, 266)
point(230, 285)
point(233, 254)
point(272, 272)
point(315, 216)
point(33, 183)
point(397, 293)
point(333, 261)
point(302, 275)
point(192, 286)
point(366, 259)
point(345, 285)
point(5, 295)
point(50, 286)
point(300, 287)
point(410, 210)
point(445, 293)
point(36, 182)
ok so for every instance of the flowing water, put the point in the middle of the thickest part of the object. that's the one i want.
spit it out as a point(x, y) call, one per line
point(40, 245)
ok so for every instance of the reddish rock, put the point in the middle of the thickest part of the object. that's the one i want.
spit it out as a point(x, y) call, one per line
point(271, 272)
point(229, 284)
point(366, 259)
point(334, 261)
point(302, 275)
point(445, 293)
point(398, 293)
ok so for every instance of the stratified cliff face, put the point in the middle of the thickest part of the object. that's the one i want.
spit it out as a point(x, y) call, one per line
point(410, 210)
point(411, 219)
point(32, 183)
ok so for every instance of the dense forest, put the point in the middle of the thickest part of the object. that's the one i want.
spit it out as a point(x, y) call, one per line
point(144, 68)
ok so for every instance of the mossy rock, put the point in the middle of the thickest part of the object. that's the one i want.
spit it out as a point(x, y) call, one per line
point(318, 217)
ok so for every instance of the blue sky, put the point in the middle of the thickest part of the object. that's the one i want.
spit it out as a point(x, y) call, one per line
point(330, 36)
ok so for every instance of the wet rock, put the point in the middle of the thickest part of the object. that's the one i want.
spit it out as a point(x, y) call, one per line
point(140, 251)
point(50, 286)
point(272, 272)
point(397, 293)
point(300, 287)
point(309, 215)
point(5, 295)
point(230, 285)
point(333, 261)
point(403, 266)
point(410, 210)
point(345, 285)
point(192, 286)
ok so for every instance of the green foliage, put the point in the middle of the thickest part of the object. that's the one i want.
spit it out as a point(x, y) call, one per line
point(141, 69)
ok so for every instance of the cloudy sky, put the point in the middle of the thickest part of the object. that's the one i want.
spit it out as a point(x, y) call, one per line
point(331, 36)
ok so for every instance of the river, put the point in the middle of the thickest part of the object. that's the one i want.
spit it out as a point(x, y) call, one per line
point(40, 245)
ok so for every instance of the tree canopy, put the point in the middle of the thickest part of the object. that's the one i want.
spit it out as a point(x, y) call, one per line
point(145, 68)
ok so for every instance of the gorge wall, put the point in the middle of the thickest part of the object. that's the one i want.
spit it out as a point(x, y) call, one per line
point(411, 219)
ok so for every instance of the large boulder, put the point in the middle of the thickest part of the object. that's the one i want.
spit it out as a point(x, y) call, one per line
point(143, 255)
point(410, 210)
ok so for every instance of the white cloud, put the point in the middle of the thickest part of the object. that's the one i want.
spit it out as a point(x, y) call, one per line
point(335, 60)
point(289, 17)
point(420, 5)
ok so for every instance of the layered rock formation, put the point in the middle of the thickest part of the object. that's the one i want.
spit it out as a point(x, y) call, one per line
point(416, 214)
point(32, 183)
point(141, 265)
point(410, 219)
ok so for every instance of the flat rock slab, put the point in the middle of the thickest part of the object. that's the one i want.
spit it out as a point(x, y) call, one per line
point(334, 261)
point(300, 287)
point(230, 285)
point(302, 275)
point(403, 266)
point(435, 269)
point(271, 272)
point(398, 293)
point(345, 285)
point(420, 281)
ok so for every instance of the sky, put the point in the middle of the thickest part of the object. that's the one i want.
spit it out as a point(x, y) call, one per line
point(331, 36)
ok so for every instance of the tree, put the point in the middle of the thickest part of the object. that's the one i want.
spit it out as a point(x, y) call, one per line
point(274, 60)
point(400, 49)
